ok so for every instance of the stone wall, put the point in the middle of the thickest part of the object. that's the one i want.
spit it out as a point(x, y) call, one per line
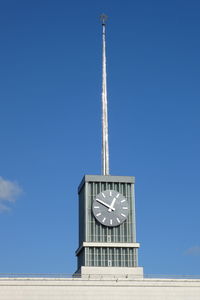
point(98, 289)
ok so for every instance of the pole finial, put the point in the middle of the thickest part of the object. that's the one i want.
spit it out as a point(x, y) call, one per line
point(103, 18)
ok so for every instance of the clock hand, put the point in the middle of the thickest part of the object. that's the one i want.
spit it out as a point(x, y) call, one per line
point(112, 205)
point(105, 204)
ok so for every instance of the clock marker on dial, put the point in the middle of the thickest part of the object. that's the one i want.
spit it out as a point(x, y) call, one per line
point(123, 215)
point(98, 214)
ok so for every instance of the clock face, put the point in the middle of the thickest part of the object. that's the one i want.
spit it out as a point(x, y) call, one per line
point(110, 208)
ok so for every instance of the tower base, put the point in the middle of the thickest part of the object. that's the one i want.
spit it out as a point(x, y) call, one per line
point(109, 272)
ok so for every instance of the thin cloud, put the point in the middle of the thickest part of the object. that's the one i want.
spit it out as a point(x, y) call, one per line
point(193, 251)
point(9, 191)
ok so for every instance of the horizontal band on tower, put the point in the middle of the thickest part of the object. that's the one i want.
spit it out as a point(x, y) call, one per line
point(107, 245)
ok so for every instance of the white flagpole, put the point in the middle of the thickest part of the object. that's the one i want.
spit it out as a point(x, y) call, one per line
point(105, 148)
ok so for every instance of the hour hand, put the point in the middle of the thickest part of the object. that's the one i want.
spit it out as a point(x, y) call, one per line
point(105, 204)
point(112, 205)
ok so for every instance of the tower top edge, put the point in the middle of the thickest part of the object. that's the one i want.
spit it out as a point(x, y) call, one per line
point(106, 178)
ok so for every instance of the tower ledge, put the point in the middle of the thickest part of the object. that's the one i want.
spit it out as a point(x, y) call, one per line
point(110, 272)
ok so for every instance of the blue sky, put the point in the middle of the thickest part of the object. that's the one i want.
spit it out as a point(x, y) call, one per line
point(50, 126)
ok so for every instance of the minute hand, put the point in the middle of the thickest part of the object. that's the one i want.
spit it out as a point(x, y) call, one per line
point(105, 204)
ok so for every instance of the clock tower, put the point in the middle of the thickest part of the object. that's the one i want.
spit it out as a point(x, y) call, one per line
point(107, 224)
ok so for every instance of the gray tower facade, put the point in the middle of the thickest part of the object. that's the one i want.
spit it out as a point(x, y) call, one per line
point(100, 245)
